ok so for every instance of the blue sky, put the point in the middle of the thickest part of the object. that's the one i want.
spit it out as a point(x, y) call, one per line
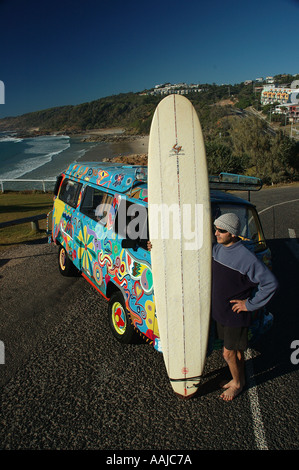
point(66, 52)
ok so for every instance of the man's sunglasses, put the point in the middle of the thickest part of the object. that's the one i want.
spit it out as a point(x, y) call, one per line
point(220, 230)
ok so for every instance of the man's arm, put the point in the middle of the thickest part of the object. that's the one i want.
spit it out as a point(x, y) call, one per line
point(266, 283)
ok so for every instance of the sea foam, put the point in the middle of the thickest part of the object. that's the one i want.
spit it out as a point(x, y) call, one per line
point(40, 150)
point(9, 138)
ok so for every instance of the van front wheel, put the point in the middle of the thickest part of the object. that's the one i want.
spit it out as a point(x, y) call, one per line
point(119, 320)
point(66, 266)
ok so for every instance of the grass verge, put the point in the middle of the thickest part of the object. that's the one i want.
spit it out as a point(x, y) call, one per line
point(18, 205)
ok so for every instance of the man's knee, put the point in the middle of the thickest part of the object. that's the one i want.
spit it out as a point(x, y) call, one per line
point(229, 354)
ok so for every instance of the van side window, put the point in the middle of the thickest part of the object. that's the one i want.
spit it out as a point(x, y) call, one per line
point(132, 222)
point(69, 192)
point(96, 204)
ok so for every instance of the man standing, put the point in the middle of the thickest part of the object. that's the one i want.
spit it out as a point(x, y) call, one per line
point(241, 284)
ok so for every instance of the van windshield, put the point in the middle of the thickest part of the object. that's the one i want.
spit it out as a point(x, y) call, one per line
point(251, 232)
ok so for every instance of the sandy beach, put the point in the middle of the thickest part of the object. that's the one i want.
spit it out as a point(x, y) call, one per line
point(130, 149)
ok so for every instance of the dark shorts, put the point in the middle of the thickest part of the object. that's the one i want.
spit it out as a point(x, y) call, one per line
point(234, 338)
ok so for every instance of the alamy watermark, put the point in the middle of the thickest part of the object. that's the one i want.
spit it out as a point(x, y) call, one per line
point(295, 353)
point(168, 222)
point(187, 224)
point(2, 353)
point(2, 92)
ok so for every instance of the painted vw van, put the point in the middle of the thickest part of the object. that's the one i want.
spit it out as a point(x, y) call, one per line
point(99, 223)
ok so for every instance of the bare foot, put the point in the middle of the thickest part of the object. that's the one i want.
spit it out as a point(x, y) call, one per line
point(231, 393)
point(224, 384)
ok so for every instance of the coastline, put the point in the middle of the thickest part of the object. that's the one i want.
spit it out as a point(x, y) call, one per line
point(43, 157)
point(122, 149)
point(98, 145)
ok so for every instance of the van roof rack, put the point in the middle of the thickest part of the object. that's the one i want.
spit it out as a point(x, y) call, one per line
point(230, 182)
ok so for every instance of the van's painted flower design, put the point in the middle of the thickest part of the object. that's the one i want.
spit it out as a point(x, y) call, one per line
point(117, 180)
point(86, 252)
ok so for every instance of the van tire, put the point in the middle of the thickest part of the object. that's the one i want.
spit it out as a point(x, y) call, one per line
point(66, 266)
point(119, 320)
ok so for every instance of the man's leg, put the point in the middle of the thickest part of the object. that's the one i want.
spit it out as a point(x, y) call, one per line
point(235, 362)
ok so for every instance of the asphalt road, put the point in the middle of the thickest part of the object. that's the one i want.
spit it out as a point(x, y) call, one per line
point(67, 384)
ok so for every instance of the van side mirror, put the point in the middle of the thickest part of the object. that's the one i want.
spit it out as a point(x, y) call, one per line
point(57, 185)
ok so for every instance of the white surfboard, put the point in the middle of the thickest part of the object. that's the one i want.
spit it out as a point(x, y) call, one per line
point(178, 188)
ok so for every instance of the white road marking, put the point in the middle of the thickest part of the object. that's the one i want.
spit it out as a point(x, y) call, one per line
point(292, 233)
point(258, 425)
point(279, 204)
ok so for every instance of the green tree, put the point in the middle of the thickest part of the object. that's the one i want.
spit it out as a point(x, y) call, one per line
point(251, 137)
point(220, 159)
point(284, 158)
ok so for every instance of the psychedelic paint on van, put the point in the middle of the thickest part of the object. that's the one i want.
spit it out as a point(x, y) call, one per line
point(93, 241)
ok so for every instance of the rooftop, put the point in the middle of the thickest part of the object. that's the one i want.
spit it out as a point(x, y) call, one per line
point(109, 175)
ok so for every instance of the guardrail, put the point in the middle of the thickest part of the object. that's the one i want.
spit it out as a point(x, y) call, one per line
point(33, 219)
point(19, 180)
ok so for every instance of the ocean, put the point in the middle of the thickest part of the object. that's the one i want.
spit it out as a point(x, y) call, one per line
point(43, 157)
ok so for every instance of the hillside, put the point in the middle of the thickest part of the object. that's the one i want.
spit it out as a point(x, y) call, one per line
point(130, 111)
point(236, 140)
point(133, 111)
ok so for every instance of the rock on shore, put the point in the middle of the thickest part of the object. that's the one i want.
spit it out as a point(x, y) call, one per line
point(135, 159)
point(109, 138)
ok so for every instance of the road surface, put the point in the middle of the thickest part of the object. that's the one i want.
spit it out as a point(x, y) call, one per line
point(68, 384)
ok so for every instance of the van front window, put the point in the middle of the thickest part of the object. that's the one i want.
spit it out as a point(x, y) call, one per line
point(251, 231)
point(69, 192)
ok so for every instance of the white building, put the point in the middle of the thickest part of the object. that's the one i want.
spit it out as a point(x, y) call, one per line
point(291, 111)
point(178, 88)
point(282, 95)
point(286, 99)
